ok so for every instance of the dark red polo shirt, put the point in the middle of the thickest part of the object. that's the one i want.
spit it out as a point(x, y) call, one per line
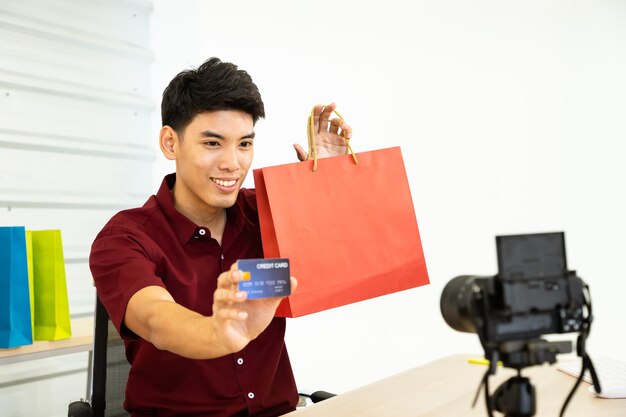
point(157, 245)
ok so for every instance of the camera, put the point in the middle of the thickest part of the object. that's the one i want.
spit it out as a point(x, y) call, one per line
point(533, 294)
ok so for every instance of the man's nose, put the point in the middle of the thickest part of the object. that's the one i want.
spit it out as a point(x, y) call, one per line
point(229, 161)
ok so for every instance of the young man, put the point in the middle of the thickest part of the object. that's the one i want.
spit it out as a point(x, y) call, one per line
point(166, 272)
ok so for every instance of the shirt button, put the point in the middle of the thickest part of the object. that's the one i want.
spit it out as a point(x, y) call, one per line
point(240, 361)
point(202, 232)
point(251, 395)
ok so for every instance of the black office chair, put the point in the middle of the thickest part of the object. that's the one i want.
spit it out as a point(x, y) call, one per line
point(108, 373)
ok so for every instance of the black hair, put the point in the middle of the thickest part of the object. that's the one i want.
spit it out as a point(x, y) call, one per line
point(213, 86)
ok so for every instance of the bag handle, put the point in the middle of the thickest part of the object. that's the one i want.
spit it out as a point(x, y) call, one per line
point(311, 136)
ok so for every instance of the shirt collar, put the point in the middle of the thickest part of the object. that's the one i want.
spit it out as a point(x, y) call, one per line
point(186, 229)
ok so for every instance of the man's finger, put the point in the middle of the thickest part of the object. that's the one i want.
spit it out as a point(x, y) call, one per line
point(334, 126)
point(231, 314)
point(325, 116)
point(317, 111)
point(346, 130)
point(302, 155)
point(223, 295)
point(229, 279)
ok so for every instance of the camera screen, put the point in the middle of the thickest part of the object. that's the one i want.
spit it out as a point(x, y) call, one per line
point(531, 256)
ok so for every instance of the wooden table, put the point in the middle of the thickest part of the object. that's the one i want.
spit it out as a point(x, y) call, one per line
point(81, 341)
point(446, 388)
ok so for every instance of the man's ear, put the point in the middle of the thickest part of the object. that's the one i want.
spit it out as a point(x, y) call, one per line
point(169, 142)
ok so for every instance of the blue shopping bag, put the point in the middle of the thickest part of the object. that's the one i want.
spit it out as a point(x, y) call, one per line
point(15, 316)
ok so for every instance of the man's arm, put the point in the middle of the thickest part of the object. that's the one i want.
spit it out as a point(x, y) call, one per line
point(153, 314)
point(330, 134)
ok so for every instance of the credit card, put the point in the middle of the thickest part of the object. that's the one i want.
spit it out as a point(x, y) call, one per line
point(263, 278)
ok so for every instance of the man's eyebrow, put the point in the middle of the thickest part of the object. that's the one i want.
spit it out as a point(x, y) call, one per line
point(211, 134)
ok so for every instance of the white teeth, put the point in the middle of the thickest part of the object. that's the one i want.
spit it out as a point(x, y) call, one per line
point(224, 183)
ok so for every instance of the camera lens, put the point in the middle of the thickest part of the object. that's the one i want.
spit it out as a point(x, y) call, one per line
point(457, 303)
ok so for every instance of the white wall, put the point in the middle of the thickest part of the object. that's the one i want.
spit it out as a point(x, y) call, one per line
point(74, 115)
point(75, 111)
point(510, 116)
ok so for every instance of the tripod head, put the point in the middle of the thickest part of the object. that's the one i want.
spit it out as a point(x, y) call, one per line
point(516, 396)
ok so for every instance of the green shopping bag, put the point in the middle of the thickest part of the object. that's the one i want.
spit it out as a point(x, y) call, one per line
point(52, 312)
point(15, 317)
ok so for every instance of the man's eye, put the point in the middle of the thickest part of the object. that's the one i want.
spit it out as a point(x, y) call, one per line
point(212, 143)
point(246, 144)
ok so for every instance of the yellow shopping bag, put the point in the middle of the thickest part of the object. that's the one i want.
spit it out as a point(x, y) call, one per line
point(51, 306)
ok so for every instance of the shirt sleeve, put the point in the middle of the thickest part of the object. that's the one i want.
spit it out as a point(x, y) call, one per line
point(122, 263)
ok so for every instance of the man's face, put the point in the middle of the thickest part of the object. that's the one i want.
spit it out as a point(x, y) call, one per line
point(213, 158)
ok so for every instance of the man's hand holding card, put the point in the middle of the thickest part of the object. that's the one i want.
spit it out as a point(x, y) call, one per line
point(247, 297)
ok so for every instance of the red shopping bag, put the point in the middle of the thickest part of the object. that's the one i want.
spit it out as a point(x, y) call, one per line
point(348, 229)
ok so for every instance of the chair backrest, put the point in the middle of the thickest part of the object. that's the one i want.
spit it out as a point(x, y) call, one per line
point(109, 368)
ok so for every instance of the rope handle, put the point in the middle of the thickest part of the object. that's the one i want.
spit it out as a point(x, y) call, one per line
point(311, 137)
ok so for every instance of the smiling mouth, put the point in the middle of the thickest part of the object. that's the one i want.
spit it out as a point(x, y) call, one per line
point(224, 183)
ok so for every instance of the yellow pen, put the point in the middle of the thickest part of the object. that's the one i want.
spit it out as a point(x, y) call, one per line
point(480, 361)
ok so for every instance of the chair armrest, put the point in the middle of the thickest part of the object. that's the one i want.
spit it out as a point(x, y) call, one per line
point(318, 396)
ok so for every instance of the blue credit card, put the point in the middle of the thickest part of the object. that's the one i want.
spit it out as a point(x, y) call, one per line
point(263, 278)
